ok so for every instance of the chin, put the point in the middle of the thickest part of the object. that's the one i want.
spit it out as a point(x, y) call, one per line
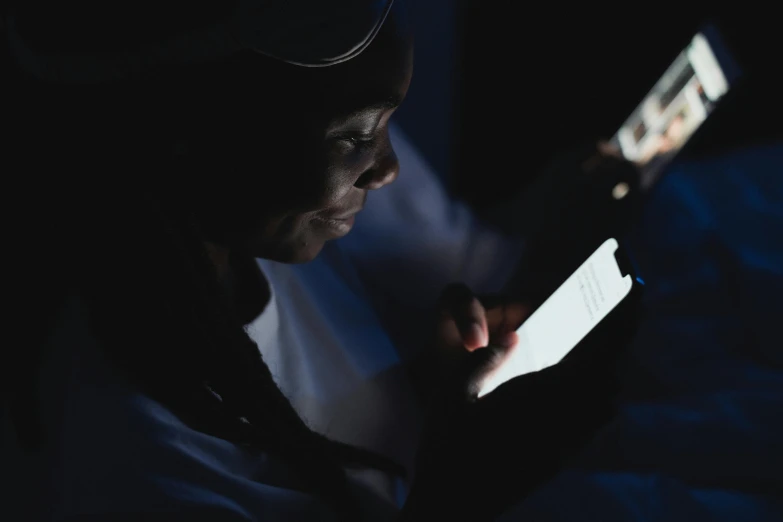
point(304, 255)
point(291, 253)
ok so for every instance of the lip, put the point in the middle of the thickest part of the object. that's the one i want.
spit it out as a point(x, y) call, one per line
point(337, 226)
point(345, 215)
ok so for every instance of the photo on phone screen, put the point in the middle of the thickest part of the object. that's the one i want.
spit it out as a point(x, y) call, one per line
point(677, 105)
point(566, 317)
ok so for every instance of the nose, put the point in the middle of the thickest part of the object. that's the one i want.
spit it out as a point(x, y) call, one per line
point(385, 171)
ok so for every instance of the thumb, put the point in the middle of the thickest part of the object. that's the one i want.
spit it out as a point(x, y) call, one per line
point(461, 383)
point(483, 362)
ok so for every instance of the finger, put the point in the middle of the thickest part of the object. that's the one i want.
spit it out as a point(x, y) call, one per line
point(595, 158)
point(608, 149)
point(605, 153)
point(459, 304)
point(515, 314)
point(472, 323)
point(496, 320)
point(507, 317)
point(449, 337)
point(506, 340)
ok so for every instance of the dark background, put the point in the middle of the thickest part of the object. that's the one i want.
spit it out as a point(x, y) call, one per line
point(500, 89)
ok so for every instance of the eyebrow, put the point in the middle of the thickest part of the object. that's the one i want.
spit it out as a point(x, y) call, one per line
point(392, 102)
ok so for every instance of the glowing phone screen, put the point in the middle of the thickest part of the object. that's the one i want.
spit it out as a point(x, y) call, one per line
point(564, 319)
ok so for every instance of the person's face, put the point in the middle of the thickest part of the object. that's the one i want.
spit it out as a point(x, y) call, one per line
point(291, 161)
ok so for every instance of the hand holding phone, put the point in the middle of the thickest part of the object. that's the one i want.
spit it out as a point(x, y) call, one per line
point(469, 447)
point(678, 104)
point(582, 302)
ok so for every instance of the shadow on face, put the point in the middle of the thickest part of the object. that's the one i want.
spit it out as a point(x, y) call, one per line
point(279, 158)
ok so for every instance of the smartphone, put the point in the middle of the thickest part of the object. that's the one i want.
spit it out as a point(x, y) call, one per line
point(678, 104)
point(585, 299)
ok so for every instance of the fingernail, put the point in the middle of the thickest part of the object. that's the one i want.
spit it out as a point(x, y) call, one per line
point(477, 333)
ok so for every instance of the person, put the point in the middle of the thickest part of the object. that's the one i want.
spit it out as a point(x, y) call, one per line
point(355, 371)
point(182, 157)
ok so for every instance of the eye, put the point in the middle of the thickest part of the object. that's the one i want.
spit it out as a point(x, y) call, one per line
point(355, 142)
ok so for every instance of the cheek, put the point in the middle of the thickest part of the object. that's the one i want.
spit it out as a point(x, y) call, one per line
point(320, 186)
point(288, 239)
point(310, 178)
point(341, 172)
point(265, 192)
point(338, 182)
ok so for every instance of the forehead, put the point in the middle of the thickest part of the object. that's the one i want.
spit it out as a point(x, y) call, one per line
point(376, 79)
